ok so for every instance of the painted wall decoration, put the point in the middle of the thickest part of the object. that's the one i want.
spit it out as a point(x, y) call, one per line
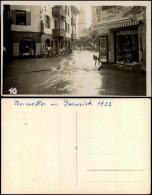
point(116, 13)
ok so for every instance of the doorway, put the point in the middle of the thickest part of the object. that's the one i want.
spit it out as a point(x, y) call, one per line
point(27, 47)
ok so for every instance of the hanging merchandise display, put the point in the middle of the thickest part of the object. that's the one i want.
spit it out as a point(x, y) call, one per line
point(103, 48)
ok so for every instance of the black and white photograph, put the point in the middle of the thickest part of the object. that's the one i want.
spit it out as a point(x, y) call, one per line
point(76, 97)
point(76, 48)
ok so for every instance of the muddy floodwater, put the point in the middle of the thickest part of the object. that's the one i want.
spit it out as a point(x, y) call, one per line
point(71, 75)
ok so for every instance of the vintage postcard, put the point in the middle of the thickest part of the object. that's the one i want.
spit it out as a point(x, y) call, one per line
point(76, 146)
point(76, 48)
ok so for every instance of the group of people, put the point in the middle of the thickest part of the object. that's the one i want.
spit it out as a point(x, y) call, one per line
point(51, 51)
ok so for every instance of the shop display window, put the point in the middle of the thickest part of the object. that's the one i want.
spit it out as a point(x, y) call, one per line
point(103, 48)
point(127, 47)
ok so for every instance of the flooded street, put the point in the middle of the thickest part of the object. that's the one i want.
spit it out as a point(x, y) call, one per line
point(71, 75)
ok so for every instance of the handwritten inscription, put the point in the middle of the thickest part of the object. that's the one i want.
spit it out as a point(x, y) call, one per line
point(65, 103)
point(83, 103)
point(38, 103)
point(103, 103)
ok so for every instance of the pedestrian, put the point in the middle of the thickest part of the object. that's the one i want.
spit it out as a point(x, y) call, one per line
point(63, 51)
point(49, 51)
point(99, 62)
point(52, 51)
point(65, 54)
point(95, 59)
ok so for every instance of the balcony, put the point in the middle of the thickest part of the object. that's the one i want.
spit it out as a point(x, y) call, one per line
point(73, 21)
point(59, 33)
point(73, 36)
point(58, 11)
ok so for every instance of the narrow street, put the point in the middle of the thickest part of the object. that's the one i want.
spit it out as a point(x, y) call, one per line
point(70, 75)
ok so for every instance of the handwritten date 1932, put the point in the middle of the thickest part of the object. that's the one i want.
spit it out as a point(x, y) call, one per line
point(105, 104)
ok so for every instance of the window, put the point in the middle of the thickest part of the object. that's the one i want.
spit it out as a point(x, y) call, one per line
point(68, 28)
point(66, 9)
point(20, 17)
point(47, 21)
point(65, 27)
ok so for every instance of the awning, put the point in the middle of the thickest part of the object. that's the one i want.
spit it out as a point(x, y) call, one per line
point(104, 28)
point(123, 24)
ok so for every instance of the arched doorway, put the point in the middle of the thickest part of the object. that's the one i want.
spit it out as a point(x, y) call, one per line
point(56, 47)
point(27, 47)
point(68, 46)
point(48, 42)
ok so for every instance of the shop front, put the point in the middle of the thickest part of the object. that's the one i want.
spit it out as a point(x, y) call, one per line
point(26, 44)
point(27, 47)
point(121, 46)
point(122, 35)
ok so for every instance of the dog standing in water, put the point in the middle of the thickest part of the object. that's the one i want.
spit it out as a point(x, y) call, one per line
point(99, 62)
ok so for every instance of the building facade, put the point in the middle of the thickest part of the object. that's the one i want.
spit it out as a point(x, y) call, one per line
point(36, 28)
point(7, 43)
point(82, 24)
point(122, 33)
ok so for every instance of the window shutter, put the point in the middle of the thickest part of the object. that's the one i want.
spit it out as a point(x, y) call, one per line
point(45, 21)
point(28, 18)
point(49, 22)
point(13, 16)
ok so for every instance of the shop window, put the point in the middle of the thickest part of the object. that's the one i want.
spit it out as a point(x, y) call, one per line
point(127, 51)
point(103, 48)
point(47, 21)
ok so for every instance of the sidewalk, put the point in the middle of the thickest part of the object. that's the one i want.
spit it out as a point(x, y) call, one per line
point(125, 67)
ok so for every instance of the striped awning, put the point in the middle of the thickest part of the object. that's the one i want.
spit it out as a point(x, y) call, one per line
point(123, 24)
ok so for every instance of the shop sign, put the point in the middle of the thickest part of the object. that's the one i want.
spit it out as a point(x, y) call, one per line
point(111, 15)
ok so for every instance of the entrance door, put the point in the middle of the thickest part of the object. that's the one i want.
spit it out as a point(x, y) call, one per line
point(27, 47)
